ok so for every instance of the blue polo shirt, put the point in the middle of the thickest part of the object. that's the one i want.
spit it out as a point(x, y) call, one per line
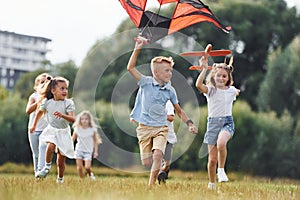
point(150, 103)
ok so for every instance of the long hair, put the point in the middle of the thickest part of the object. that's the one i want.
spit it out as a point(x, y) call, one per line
point(51, 84)
point(39, 78)
point(91, 124)
point(210, 78)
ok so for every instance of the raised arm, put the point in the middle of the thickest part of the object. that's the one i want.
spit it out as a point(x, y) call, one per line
point(140, 41)
point(200, 80)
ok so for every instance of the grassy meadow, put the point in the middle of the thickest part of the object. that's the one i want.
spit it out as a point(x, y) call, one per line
point(17, 182)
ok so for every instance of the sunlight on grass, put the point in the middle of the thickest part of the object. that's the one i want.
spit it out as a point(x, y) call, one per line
point(112, 184)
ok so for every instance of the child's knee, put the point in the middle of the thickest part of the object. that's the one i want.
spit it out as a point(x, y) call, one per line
point(147, 162)
point(157, 155)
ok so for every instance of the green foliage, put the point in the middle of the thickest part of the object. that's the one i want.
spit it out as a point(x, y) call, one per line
point(280, 88)
point(13, 134)
point(3, 93)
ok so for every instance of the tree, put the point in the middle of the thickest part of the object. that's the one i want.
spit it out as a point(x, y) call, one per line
point(280, 89)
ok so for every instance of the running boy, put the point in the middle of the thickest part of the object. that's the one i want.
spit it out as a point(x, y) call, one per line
point(150, 110)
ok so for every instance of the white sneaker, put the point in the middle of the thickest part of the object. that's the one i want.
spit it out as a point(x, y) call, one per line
point(43, 173)
point(222, 177)
point(60, 180)
point(212, 186)
point(92, 177)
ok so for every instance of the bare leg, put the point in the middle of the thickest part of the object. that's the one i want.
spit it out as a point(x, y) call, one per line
point(79, 164)
point(87, 166)
point(156, 165)
point(212, 163)
point(223, 138)
point(60, 164)
point(49, 152)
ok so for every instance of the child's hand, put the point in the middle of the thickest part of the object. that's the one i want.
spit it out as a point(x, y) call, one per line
point(203, 62)
point(31, 130)
point(95, 154)
point(132, 120)
point(140, 41)
point(58, 114)
point(193, 129)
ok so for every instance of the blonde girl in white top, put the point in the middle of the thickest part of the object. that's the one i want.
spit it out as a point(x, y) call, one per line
point(86, 134)
point(38, 148)
point(59, 112)
point(220, 95)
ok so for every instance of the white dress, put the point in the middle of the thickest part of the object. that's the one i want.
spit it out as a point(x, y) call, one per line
point(58, 130)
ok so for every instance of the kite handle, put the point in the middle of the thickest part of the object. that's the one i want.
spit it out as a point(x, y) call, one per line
point(208, 48)
point(141, 38)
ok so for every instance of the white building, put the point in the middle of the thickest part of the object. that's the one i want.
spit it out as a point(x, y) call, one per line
point(19, 54)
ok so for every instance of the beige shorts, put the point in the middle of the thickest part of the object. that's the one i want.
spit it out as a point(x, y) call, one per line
point(151, 138)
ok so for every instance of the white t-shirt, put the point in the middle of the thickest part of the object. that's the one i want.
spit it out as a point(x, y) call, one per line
point(220, 102)
point(171, 137)
point(42, 123)
point(85, 140)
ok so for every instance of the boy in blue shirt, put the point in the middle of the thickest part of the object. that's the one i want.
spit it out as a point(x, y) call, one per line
point(149, 110)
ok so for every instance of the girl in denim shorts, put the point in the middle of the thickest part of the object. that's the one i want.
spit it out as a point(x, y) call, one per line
point(88, 139)
point(220, 95)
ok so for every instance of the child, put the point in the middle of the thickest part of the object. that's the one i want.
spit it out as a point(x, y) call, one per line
point(38, 148)
point(220, 95)
point(85, 131)
point(149, 110)
point(171, 140)
point(59, 112)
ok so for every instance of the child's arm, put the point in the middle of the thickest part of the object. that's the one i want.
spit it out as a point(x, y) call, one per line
point(199, 83)
point(70, 117)
point(95, 145)
point(185, 119)
point(38, 116)
point(132, 61)
point(74, 136)
point(31, 106)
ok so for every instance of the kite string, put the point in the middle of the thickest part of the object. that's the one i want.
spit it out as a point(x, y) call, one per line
point(146, 26)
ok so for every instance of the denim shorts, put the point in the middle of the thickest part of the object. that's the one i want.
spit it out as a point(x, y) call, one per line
point(83, 155)
point(215, 125)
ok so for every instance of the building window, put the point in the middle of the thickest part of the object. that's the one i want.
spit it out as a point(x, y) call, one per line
point(3, 72)
point(12, 72)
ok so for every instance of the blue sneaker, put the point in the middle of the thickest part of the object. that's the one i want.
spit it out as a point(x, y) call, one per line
point(43, 173)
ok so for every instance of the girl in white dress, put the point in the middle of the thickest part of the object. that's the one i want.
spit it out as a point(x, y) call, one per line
point(59, 112)
point(86, 134)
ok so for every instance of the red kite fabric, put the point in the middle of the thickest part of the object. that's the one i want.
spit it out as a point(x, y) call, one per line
point(154, 26)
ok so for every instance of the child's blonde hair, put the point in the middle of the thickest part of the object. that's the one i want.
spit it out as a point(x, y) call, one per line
point(160, 59)
point(91, 123)
point(39, 78)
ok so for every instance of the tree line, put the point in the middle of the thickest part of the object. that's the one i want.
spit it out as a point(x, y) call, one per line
point(265, 44)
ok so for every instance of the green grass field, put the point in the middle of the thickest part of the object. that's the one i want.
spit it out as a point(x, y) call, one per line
point(17, 183)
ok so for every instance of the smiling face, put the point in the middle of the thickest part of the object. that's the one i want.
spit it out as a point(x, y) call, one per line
point(85, 121)
point(163, 72)
point(60, 90)
point(221, 78)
